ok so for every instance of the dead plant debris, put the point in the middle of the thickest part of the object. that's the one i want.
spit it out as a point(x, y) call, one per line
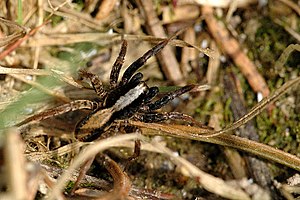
point(230, 147)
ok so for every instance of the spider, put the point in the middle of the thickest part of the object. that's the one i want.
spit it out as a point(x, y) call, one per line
point(129, 98)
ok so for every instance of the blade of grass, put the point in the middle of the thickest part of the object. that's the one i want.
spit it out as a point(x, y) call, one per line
point(193, 133)
point(20, 12)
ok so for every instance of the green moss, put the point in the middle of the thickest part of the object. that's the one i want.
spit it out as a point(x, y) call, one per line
point(69, 186)
point(270, 41)
point(279, 130)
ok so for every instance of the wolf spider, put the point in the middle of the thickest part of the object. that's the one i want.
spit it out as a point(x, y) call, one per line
point(129, 98)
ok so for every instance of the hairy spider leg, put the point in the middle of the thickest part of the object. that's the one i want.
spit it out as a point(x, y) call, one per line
point(152, 92)
point(83, 170)
point(147, 114)
point(159, 117)
point(135, 155)
point(115, 71)
point(168, 97)
point(141, 61)
point(96, 82)
point(72, 106)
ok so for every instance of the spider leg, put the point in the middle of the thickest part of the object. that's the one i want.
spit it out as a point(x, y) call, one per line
point(168, 97)
point(141, 61)
point(158, 117)
point(136, 151)
point(72, 106)
point(114, 75)
point(135, 155)
point(152, 92)
point(83, 170)
point(96, 82)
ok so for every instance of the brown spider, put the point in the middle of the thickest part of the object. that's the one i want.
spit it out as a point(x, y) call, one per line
point(126, 99)
point(129, 98)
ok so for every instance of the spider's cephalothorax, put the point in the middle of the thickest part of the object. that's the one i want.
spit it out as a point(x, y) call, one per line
point(128, 98)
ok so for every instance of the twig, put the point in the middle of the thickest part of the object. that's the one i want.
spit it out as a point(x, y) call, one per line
point(85, 155)
point(12, 47)
point(232, 48)
point(207, 181)
point(285, 55)
point(292, 5)
point(105, 9)
point(122, 183)
point(166, 57)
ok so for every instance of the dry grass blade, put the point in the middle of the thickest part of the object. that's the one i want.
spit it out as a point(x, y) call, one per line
point(288, 29)
point(15, 45)
point(105, 38)
point(41, 72)
point(193, 133)
point(256, 109)
point(213, 184)
point(181, 43)
point(10, 39)
point(40, 156)
point(89, 152)
point(285, 55)
point(16, 174)
point(206, 133)
point(218, 137)
point(15, 35)
point(209, 182)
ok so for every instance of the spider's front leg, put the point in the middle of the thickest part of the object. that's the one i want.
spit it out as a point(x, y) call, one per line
point(72, 106)
point(141, 61)
point(114, 75)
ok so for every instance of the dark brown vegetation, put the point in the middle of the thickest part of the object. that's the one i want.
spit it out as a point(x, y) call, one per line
point(228, 55)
